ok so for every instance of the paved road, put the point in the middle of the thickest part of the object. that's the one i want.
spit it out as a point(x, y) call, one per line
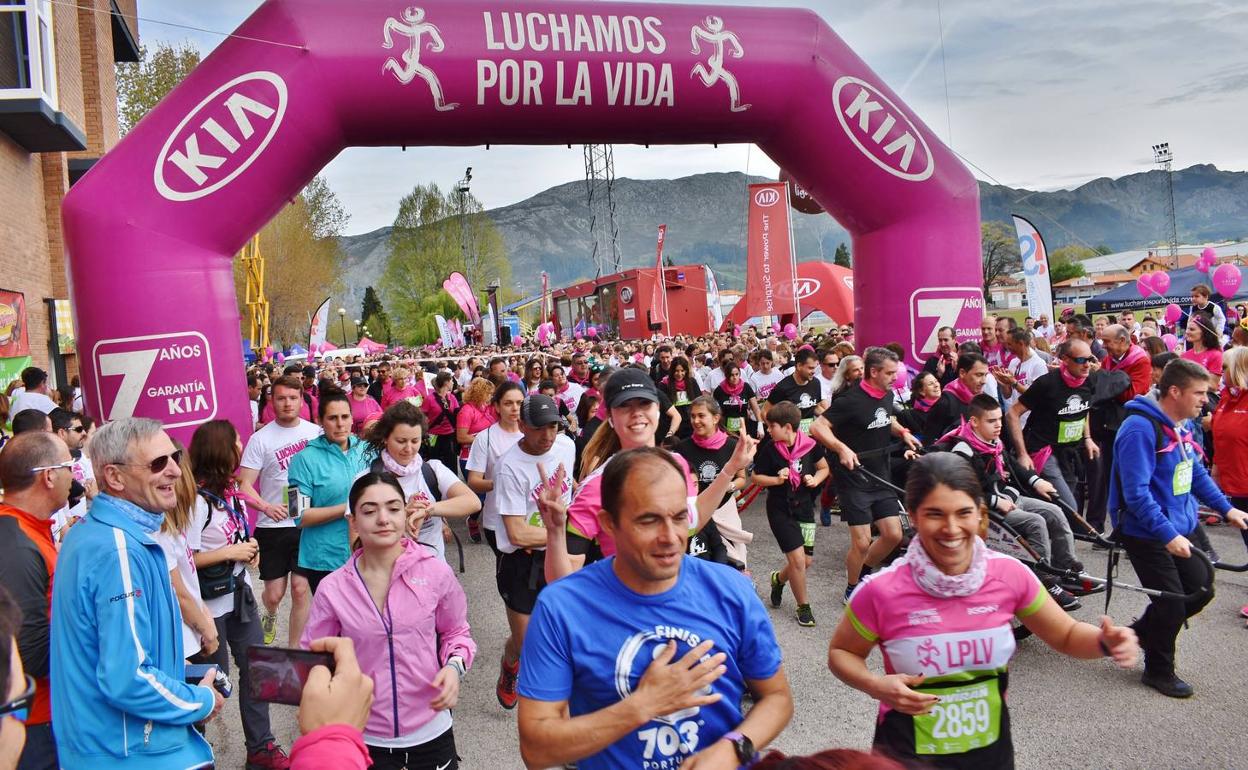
point(1066, 713)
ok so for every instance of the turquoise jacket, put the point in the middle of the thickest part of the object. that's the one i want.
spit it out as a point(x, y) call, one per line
point(119, 696)
point(324, 473)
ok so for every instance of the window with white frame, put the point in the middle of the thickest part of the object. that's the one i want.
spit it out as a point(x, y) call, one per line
point(27, 51)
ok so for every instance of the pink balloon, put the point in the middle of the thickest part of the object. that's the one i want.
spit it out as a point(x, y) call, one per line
point(790, 331)
point(1173, 313)
point(1161, 282)
point(517, 341)
point(592, 332)
point(1209, 255)
point(1170, 341)
point(579, 336)
point(775, 326)
point(1226, 280)
point(1144, 285)
point(1203, 265)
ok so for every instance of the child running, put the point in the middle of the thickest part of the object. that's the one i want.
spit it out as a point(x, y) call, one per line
point(792, 467)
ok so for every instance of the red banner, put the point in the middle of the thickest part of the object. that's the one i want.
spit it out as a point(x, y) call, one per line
point(769, 256)
point(658, 296)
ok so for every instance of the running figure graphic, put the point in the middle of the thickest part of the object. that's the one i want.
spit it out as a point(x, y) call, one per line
point(712, 71)
point(929, 650)
point(414, 26)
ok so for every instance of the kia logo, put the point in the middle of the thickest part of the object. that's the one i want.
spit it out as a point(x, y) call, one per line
point(221, 137)
point(881, 130)
point(766, 197)
point(806, 287)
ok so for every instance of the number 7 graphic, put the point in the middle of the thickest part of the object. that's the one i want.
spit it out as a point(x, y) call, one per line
point(945, 311)
point(134, 368)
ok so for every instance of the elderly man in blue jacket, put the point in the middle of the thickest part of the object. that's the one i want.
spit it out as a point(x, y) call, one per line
point(1158, 478)
point(119, 699)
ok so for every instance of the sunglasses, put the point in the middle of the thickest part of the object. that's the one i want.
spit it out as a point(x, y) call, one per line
point(19, 707)
point(160, 463)
point(1080, 359)
point(67, 464)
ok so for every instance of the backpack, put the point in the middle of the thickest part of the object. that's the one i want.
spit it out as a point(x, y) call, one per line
point(431, 481)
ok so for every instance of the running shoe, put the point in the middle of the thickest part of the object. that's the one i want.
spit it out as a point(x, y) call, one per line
point(777, 590)
point(506, 688)
point(268, 622)
point(825, 517)
point(1170, 686)
point(474, 528)
point(804, 616)
point(1065, 599)
point(268, 757)
point(849, 590)
point(1243, 611)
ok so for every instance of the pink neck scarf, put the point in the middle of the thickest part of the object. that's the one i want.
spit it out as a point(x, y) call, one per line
point(1071, 380)
point(923, 404)
point(393, 466)
point(733, 390)
point(960, 391)
point(713, 442)
point(936, 583)
point(965, 432)
point(870, 391)
point(794, 454)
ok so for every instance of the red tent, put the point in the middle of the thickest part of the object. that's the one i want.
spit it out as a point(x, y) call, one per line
point(820, 286)
point(368, 346)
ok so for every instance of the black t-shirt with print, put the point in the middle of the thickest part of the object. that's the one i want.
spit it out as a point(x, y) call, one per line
point(805, 397)
point(706, 465)
point(863, 423)
point(1057, 412)
point(735, 408)
point(785, 499)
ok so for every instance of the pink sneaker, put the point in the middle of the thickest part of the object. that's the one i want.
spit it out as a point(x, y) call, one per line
point(1243, 611)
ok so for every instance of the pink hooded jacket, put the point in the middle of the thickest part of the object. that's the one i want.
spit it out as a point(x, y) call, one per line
point(425, 623)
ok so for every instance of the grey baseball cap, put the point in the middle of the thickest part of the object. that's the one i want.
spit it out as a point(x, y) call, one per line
point(538, 411)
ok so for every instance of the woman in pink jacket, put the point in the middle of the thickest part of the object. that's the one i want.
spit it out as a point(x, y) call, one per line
point(408, 618)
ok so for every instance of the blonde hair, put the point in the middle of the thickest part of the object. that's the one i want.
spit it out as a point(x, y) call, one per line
point(178, 520)
point(479, 391)
point(604, 443)
point(400, 373)
point(1235, 367)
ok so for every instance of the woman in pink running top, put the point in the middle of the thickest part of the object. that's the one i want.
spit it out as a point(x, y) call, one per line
point(941, 615)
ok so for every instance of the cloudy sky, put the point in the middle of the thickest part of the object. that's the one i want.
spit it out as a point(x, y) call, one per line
point(1043, 95)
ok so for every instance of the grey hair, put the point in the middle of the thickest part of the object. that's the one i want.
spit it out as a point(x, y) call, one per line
point(875, 358)
point(838, 379)
point(1117, 331)
point(111, 443)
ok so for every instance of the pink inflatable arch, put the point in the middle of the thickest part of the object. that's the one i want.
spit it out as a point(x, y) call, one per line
point(152, 229)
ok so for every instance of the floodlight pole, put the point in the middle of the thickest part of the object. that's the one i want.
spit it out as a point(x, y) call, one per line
point(1165, 159)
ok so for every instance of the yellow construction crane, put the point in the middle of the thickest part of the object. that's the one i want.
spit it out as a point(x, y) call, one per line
point(257, 303)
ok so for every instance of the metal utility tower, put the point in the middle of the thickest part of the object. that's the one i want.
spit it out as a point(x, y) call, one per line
point(599, 183)
point(461, 196)
point(1165, 159)
point(257, 303)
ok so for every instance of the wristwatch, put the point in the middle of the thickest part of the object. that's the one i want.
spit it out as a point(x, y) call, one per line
point(743, 746)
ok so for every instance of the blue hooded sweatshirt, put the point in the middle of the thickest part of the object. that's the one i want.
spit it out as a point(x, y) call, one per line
point(1142, 499)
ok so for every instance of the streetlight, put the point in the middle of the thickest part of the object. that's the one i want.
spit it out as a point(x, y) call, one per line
point(357, 327)
point(342, 319)
point(461, 192)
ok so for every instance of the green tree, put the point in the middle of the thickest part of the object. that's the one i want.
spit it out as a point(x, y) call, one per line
point(842, 256)
point(1103, 250)
point(999, 245)
point(429, 242)
point(142, 84)
point(1064, 271)
point(326, 213)
point(374, 316)
point(1072, 253)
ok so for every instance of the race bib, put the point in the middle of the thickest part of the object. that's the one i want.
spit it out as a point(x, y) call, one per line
point(1069, 431)
point(968, 717)
point(1183, 478)
point(734, 425)
point(804, 425)
point(808, 533)
point(682, 398)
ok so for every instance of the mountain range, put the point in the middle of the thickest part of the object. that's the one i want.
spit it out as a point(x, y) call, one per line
point(705, 216)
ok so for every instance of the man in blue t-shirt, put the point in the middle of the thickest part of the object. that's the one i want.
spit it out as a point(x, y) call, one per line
point(640, 660)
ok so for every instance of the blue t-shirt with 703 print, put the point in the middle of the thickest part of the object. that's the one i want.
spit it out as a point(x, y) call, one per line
point(591, 638)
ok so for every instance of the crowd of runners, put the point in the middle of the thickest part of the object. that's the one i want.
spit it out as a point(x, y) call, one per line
point(611, 481)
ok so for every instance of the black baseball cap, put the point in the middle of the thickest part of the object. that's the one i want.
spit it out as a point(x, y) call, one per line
point(309, 371)
point(358, 381)
point(538, 411)
point(627, 384)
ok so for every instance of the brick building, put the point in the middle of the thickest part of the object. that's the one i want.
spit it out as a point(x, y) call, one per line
point(58, 115)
